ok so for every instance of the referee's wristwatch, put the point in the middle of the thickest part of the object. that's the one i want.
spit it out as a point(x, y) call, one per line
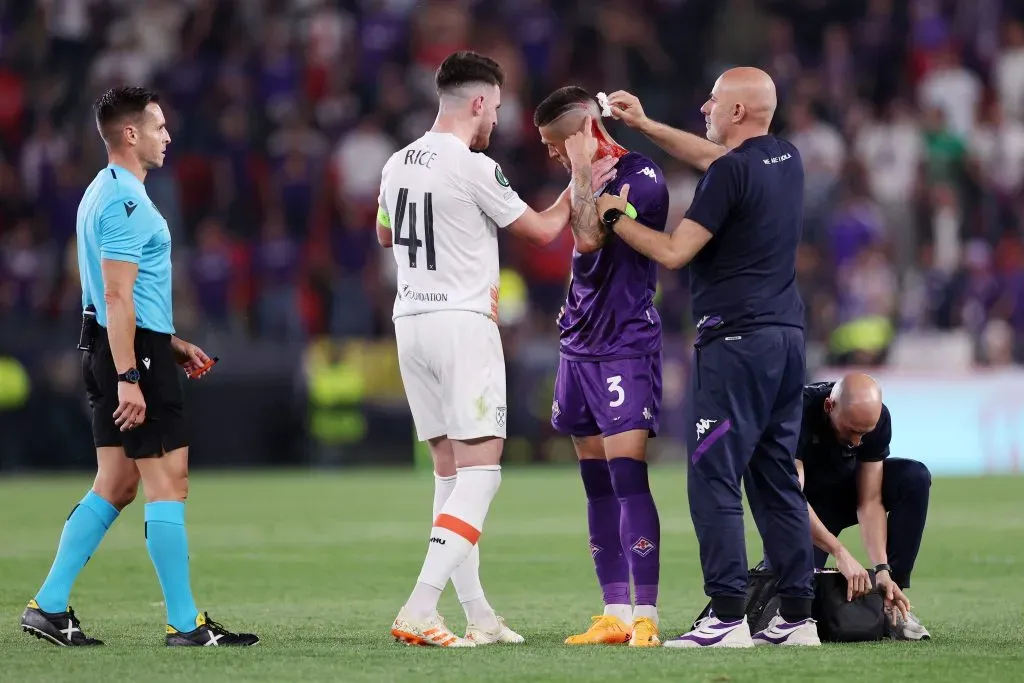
point(131, 376)
point(883, 568)
point(609, 218)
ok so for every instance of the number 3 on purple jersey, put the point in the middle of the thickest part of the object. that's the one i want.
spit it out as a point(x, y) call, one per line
point(615, 386)
point(607, 397)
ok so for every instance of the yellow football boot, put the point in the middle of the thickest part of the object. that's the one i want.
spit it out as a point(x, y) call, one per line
point(645, 633)
point(604, 630)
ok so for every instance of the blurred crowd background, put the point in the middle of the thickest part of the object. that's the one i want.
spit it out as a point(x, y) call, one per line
point(909, 115)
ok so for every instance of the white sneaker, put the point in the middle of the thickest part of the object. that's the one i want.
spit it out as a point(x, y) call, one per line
point(503, 635)
point(909, 628)
point(781, 632)
point(712, 632)
point(430, 633)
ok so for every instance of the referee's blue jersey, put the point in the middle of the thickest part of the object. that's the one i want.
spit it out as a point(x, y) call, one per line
point(117, 221)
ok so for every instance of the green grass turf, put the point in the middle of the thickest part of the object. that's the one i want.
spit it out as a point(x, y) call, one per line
point(319, 563)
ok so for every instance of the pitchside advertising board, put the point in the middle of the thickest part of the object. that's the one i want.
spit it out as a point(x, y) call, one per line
point(961, 423)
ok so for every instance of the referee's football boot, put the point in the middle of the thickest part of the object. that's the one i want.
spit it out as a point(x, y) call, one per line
point(59, 628)
point(209, 633)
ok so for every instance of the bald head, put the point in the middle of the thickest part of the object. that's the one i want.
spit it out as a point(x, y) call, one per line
point(752, 88)
point(854, 406)
point(741, 106)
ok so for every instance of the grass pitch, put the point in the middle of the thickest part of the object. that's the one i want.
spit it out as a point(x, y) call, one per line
point(319, 563)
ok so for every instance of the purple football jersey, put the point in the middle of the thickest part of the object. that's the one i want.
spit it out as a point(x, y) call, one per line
point(609, 311)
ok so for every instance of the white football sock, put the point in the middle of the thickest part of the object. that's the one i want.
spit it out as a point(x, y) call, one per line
point(422, 604)
point(443, 487)
point(466, 577)
point(649, 611)
point(623, 612)
point(456, 530)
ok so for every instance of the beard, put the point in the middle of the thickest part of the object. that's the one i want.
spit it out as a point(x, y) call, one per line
point(481, 141)
point(713, 136)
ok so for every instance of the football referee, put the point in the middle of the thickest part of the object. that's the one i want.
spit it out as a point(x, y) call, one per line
point(131, 367)
point(740, 238)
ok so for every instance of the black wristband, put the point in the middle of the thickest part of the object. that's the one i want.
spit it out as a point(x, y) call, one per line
point(883, 568)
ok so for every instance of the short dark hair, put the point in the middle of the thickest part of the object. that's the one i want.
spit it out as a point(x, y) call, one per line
point(559, 102)
point(465, 67)
point(117, 104)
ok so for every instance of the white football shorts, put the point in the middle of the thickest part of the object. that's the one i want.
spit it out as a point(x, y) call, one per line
point(453, 369)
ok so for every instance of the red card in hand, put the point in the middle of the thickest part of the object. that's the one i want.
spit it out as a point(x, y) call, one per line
point(199, 372)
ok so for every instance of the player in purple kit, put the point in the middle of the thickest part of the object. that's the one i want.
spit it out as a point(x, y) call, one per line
point(608, 387)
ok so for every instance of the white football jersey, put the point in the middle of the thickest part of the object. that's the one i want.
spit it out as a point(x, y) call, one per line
point(444, 205)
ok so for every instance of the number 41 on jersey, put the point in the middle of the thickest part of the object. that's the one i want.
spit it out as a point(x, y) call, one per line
point(412, 241)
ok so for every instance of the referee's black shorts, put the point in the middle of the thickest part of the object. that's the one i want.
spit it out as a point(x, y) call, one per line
point(164, 428)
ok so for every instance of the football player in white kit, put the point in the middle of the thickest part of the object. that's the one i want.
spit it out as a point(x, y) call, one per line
point(442, 202)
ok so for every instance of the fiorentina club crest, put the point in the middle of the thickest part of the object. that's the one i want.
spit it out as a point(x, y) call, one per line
point(642, 547)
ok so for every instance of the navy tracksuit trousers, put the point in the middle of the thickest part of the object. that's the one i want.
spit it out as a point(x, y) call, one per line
point(746, 404)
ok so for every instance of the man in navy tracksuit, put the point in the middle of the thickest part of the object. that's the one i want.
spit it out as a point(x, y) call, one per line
point(740, 238)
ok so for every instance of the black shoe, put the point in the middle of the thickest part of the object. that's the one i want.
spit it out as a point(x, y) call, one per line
point(60, 628)
point(209, 632)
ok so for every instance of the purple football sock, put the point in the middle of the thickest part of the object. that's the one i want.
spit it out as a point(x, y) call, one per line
point(640, 527)
point(605, 544)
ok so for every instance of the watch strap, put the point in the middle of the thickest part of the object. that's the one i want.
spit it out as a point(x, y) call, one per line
point(131, 375)
point(610, 217)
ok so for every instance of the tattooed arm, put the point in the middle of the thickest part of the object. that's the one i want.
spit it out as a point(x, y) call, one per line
point(542, 228)
point(584, 219)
